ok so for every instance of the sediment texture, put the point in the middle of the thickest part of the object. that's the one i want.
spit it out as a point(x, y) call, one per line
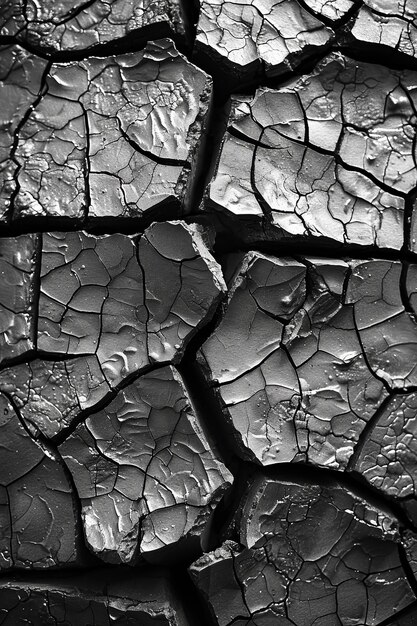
point(208, 313)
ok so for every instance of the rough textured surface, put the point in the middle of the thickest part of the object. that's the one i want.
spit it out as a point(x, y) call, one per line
point(147, 599)
point(391, 24)
point(320, 345)
point(110, 137)
point(38, 513)
point(308, 554)
point(143, 469)
point(18, 260)
point(21, 82)
point(329, 155)
point(119, 306)
point(209, 421)
point(387, 458)
point(61, 26)
point(113, 307)
point(250, 37)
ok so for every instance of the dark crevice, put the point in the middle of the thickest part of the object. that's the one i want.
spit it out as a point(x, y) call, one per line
point(209, 412)
point(202, 396)
point(63, 574)
point(220, 434)
point(196, 610)
point(36, 291)
point(226, 517)
point(249, 80)
point(135, 41)
point(376, 53)
point(86, 165)
point(247, 238)
point(208, 150)
point(105, 401)
point(190, 11)
point(369, 426)
point(232, 234)
point(166, 210)
point(405, 296)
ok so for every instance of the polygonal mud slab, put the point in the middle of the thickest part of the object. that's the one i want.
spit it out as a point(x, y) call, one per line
point(144, 470)
point(106, 310)
point(250, 38)
point(106, 138)
point(390, 24)
point(328, 156)
point(308, 554)
point(306, 352)
point(57, 26)
point(110, 307)
point(387, 456)
point(39, 520)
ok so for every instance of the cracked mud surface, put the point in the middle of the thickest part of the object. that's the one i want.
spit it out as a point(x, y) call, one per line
point(208, 313)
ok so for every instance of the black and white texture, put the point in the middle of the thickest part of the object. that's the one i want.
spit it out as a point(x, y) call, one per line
point(208, 313)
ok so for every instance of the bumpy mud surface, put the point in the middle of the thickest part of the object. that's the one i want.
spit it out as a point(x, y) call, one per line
point(208, 313)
